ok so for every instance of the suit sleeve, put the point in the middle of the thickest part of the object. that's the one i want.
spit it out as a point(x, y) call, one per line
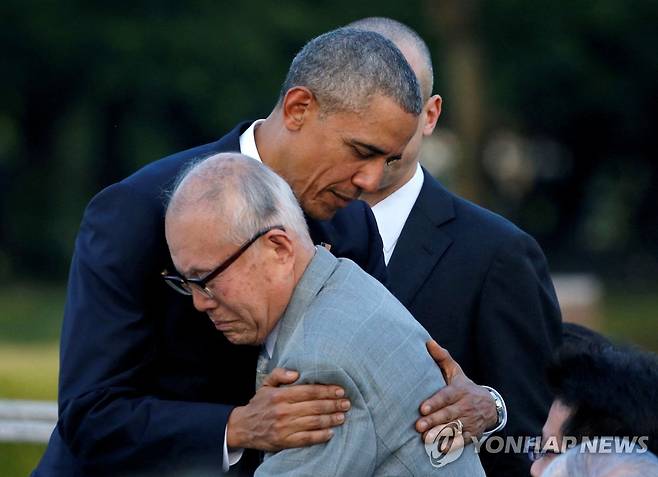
point(519, 309)
point(109, 416)
point(351, 451)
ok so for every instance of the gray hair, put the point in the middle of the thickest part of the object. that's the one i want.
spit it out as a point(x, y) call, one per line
point(577, 462)
point(401, 34)
point(246, 195)
point(346, 67)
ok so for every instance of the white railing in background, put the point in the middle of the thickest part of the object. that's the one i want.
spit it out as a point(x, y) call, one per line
point(27, 421)
point(580, 296)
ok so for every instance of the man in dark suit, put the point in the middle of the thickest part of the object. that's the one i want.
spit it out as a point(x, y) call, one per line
point(147, 385)
point(476, 282)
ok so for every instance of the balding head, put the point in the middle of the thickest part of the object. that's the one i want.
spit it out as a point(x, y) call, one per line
point(239, 242)
point(238, 193)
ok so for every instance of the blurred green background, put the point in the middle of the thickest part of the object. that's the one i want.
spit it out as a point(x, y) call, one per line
point(549, 119)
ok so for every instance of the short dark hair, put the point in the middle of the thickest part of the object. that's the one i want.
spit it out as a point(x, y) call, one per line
point(345, 68)
point(399, 33)
point(576, 335)
point(611, 390)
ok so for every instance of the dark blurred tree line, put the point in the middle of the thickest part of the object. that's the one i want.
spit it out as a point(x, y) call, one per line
point(91, 91)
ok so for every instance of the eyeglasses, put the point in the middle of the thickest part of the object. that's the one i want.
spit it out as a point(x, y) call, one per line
point(185, 286)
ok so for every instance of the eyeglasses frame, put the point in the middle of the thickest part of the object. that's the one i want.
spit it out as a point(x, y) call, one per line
point(181, 284)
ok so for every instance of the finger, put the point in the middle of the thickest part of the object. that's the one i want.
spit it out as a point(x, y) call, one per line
point(280, 376)
point(442, 416)
point(453, 438)
point(316, 423)
point(437, 352)
point(427, 436)
point(305, 439)
point(309, 392)
point(444, 397)
point(472, 425)
point(449, 367)
point(318, 407)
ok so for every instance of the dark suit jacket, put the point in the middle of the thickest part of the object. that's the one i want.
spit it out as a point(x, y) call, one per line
point(481, 287)
point(146, 382)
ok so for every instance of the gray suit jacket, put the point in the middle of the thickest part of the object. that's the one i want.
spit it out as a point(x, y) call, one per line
point(343, 327)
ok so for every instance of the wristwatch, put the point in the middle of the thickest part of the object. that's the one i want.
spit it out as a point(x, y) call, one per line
point(501, 411)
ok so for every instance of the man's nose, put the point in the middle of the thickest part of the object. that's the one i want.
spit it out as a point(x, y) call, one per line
point(201, 301)
point(535, 470)
point(369, 176)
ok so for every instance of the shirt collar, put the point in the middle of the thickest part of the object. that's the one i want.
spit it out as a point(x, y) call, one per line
point(270, 341)
point(248, 141)
point(392, 212)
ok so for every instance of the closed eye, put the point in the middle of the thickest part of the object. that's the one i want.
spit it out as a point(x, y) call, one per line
point(363, 154)
point(364, 150)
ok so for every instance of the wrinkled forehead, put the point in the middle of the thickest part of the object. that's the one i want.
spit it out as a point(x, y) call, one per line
point(194, 231)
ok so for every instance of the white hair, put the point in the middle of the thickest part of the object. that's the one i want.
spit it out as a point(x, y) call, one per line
point(244, 194)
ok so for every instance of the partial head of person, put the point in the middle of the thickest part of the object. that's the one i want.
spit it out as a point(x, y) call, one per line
point(580, 462)
point(600, 391)
point(239, 243)
point(417, 53)
point(348, 106)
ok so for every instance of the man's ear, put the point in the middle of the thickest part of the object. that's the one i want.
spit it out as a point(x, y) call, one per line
point(296, 104)
point(280, 242)
point(432, 113)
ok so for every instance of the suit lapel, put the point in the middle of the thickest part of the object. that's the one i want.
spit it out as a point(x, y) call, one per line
point(322, 266)
point(422, 242)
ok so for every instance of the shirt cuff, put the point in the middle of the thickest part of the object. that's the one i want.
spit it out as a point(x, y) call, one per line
point(501, 411)
point(232, 457)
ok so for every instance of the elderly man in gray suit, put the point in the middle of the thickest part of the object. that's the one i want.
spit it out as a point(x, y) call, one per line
point(309, 311)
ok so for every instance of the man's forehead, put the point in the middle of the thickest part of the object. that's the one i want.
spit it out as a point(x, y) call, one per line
point(379, 140)
point(557, 416)
point(194, 262)
point(194, 243)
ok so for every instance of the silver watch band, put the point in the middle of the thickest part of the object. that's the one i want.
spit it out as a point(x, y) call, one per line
point(501, 411)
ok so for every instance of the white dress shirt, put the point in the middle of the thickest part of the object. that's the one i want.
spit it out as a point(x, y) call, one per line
point(270, 342)
point(248, 141)
point(392, 212)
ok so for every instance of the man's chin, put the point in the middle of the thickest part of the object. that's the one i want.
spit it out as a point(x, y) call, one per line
point(238, 338)
point(321, 210)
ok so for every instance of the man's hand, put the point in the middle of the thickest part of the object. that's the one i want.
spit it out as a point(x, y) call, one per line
point(461, 399)
point(282, 417)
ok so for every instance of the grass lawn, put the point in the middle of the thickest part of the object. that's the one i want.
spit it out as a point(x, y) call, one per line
point(26, 371)
point(18, 460)
point(30, 320)
point(632, 318)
